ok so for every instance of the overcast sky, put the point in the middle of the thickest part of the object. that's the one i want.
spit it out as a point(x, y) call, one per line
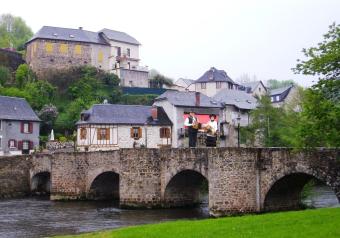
point(185, 38)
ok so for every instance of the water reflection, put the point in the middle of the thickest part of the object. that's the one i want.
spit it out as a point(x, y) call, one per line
point(39, 218)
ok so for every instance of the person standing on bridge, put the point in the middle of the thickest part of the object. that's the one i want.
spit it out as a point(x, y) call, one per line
point(211, 129)
point(192, 123)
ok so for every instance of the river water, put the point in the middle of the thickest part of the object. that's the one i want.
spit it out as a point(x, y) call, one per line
point(36, 217)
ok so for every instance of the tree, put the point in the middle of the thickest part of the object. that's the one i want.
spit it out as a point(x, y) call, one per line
point(5, 75)
point(41, 92)
point(23, 75)
point(48, 115)
point(157, 80)
point(274, 84)
point(13, 32)
point(321, 104)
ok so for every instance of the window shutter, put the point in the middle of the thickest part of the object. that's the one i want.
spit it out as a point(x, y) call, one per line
point(107, 133)
point(15, 143)
point(139, 132)
point(22, 127)
point(31, 145)
point(30, 127)
point(167, 133)
point(131, 132)
point(20, 145)
point(98, 133)
point(161, 132)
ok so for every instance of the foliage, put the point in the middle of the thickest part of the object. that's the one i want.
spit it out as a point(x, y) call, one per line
point(41, 93)
point(13, 32)
point(318, 223)
point(321, 107)
point(23, 75)
point(157, 80)
point(274, 84)
point(15, 92)
point(5, 75)
point(48, 114)
point(145, 99)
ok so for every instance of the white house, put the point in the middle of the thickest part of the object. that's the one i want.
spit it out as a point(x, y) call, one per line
point(112, 126)
point(285, 95)
point(213, 81)
point(255, 88)
point(177, 106)
point(236, 106)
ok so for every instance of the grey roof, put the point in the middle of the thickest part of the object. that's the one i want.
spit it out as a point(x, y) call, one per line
point(186, 81)
point(252, 85)
point(119, 36)
point(12, 108)
point(67, 34)
point(214, 75)
point(279, 91)
point(239, 99)
point(187, 99)
point(124, 114)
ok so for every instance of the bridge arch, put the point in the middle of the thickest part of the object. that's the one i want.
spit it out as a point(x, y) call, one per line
point(285, 190)
point(186, 188)
point(104, 186)
point(41, 183)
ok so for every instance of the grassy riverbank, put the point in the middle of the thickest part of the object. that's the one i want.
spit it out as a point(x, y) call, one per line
point(308, 223)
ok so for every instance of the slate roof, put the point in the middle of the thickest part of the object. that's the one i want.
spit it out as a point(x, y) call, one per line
point(214, 75)
point(187, 99)
point(239, 99)
point(186, 81)
point(68, 34)
point(252, 85)
point(12, 108)
point(119, 36)
point(279, 91)
point(124, 114)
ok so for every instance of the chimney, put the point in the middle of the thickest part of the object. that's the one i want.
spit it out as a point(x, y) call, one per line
point(154, 113)
point(197, 99)
point(80, 28)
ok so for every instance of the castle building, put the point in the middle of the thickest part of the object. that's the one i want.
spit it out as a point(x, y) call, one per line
point(53, 48)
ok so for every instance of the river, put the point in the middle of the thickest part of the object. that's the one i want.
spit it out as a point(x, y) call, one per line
point(37, 217)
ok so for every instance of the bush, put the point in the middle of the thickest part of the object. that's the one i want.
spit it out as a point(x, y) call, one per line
point(5, 75)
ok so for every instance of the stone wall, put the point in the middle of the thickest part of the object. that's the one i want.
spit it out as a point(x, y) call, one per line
point(240, 180)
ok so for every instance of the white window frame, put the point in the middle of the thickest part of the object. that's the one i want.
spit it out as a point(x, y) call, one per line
point(278, 98)
point(10, 146)
point(24, 143)
point(28, 127)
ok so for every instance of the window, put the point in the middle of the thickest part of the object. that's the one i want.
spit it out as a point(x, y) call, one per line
point(103, 134)
point(203, 85)
point(136, 132)
point(218, 84)
point(119, 51)
point(230, 86)
point(25, 145)
point(63, 48)
point(77, 49)
point(100, 57)
point(12, 143)
point(49, 47)
point(26, 127)
point(277, 98)
point(272, 99)
point(128, 52)
point(259, 89)
point(164, 132)
point(83, 133)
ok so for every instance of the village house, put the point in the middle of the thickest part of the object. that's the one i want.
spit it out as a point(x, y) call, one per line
point(109, 50)
point(236, 107)
point(213, 81)
point(255, 88)
point(113, 126)
point(177, 106)
point(285, 96)
point(19, 127)
point(184, 84)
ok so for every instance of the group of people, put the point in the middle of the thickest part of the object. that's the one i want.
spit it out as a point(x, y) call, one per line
point(210, 128)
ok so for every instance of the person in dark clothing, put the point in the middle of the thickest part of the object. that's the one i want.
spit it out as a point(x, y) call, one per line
point(192, 123)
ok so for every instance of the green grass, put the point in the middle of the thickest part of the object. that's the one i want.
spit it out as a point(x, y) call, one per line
point(323, 223)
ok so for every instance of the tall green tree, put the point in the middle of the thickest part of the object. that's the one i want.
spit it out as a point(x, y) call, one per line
point(23, 75)
point(13, 32)
point(321, 106)
point(5, 75)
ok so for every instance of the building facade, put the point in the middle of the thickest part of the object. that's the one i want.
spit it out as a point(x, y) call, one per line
point(111, 126)
point(19, 127)
point(213, 81)
point(285, 96)
point(53, 48)
point(177, 106)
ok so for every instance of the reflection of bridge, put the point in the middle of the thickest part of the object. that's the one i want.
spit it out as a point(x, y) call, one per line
point(238, 180)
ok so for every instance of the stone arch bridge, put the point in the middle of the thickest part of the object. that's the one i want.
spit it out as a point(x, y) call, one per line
point(237, 180)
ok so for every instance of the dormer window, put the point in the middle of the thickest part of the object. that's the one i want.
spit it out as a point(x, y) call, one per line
point(71, 36)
